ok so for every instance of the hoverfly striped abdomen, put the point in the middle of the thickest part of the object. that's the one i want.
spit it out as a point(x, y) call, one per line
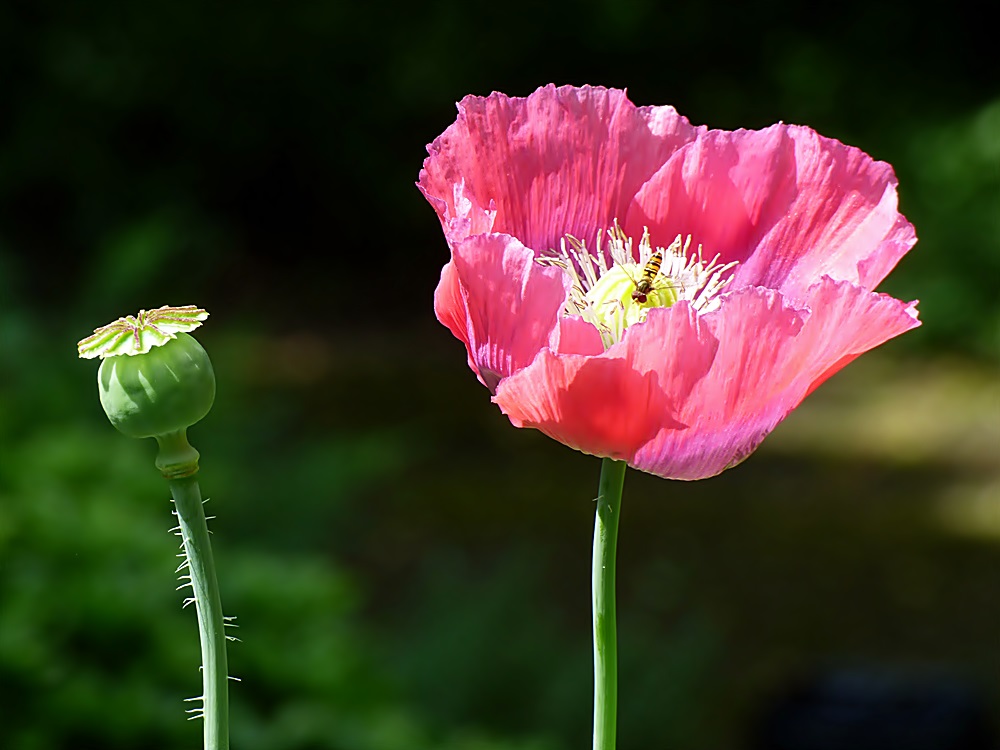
point(644, 286)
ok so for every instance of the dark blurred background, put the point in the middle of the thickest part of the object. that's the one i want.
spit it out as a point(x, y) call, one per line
point(408, 569)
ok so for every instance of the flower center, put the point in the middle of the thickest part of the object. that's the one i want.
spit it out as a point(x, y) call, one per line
point(614, 297)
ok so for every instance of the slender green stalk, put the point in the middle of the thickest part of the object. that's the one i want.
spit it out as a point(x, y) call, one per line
point(211, 624)
point(609, 502)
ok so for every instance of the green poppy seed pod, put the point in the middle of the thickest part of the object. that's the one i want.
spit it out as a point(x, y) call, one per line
point(155, 380)
point(167, 389)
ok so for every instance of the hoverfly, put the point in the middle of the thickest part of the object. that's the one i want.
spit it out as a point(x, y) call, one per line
point(644, 286)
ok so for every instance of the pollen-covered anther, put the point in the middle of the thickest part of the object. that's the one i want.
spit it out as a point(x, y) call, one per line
point(615, 286)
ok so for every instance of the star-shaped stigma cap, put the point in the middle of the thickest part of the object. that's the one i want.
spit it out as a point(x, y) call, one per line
point(137, 334)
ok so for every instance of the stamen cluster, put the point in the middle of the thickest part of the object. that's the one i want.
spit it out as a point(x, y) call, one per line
point(606, 282)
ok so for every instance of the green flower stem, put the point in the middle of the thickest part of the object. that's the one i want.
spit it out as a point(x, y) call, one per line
point(609, 502)
point(211, 624)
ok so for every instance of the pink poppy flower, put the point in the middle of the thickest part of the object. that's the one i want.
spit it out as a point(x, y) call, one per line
point(642, 289)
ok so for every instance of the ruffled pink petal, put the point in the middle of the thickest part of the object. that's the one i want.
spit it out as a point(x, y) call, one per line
point(611, 404)
point(738, 402)
point(844, 223)
point(561, 161)
point(502, 304)
point(897, 243)
point(576, 336)
point(846, 322)
point(725, 189)
point(786, 203)
point(460, 217)
point(449, 303)
point(451, 310)
point(770, 357)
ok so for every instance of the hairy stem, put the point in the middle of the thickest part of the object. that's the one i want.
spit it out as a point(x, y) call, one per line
point(211, 624)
